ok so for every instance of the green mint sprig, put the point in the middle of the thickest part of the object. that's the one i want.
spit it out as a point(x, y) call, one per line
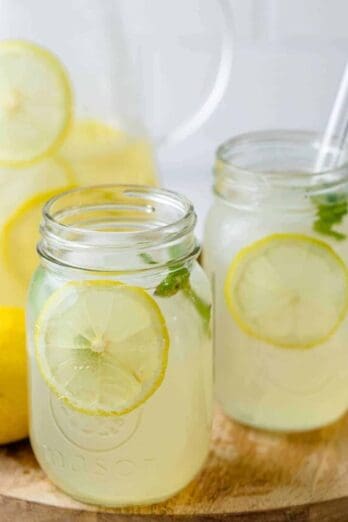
point(330, 211)
point(178, 279)
point(147, 258)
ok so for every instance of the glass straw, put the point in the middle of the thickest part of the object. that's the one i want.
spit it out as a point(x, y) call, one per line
point(336, 131)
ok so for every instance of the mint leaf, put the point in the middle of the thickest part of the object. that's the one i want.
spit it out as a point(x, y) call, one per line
point(178, 279)
point(203, 308)
point(175, 281)
point(330, 211)
point(147, 258)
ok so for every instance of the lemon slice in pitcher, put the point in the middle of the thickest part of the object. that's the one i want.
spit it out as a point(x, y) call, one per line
point(20, 184)
point(102, 346)
point(20, 231)
point(288, 290)
point(99, 153)
point(35, 103)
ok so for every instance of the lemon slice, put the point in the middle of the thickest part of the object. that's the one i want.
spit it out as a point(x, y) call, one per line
point(288, 290)
point(20, 231)
point(99, 153)
point(35, 103)
point(20, 184)
point(102, 346)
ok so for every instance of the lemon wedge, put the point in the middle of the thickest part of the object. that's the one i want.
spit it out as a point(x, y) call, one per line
point(20, 231)
point(288, 290)
point(13, 375)
point(99, 153)
point(102, 346)
point(35, 103)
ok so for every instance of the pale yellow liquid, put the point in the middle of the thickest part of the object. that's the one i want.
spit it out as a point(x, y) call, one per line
point(94, 153)
point(257, 383)
point(105, 147)
point(147, 455)
point(100, 152)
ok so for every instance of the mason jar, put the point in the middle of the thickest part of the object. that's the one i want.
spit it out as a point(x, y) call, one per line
point(120, 355)
point(276, 250)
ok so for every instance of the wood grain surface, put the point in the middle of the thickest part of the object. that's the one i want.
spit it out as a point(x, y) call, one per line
point(249, 476)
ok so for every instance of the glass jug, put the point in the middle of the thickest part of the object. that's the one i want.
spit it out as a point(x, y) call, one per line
point(71, 114)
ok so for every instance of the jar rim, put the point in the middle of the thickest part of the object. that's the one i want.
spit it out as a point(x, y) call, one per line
point(188, 217)
point(259, 137)
point(117, 218)
point(275, 170)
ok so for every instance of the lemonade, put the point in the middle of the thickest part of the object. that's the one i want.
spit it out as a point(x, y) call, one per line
point(276, 251)
point(120, 356)
point(49, 142)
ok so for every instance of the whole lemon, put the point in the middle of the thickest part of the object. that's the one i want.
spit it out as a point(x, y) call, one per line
point(13, 375)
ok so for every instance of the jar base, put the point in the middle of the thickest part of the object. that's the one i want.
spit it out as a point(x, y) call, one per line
point(125, 503)
point(103, 503)
point(280, 427)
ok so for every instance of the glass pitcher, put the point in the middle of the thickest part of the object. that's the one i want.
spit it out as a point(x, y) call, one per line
point(71, 114)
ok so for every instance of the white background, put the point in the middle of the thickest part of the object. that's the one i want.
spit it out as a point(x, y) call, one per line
point(289, 55)
point(288, 58)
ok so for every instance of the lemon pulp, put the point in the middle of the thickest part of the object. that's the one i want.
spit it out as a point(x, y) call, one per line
point(35, 103)
point(100, 153)
point(20, 235)
point(288, 290)
point(102, 346)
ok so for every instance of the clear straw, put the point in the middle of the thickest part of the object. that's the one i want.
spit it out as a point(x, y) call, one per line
point(336, 131)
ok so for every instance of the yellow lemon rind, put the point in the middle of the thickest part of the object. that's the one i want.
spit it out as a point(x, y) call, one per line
point(165, 351)
point(13, 369)
point(254, 247)
point(55, 64)
point(26, 206)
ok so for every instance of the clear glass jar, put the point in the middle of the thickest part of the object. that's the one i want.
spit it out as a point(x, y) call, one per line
point(276, 249)
point(120, 355)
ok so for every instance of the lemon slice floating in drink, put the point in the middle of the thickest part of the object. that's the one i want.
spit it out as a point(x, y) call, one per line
point(288, 290)
point(35, 103)
point(20, 231)
point(102, 346)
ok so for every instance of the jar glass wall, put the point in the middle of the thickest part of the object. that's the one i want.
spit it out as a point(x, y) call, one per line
point(276, 249)
point(119, 345)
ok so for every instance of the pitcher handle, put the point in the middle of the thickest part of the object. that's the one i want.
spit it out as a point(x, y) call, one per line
point(194, 122)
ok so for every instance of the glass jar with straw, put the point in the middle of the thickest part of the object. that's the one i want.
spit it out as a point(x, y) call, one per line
point(277, 251)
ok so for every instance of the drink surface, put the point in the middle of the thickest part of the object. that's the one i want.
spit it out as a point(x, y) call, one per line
point(143, 456)
point(277, 383)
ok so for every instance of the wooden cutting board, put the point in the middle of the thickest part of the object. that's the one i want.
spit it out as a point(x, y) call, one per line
point(249, 476)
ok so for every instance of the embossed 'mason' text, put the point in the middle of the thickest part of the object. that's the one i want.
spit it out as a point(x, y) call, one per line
point(96, 466)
